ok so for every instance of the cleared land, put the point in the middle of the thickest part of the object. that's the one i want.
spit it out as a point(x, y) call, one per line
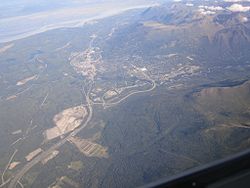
point(11, 97)
point(13, 165)
point(17, 132)
point(66, 121)
point(51, 156)
point(24, 81)
point(88, 148)
point(32, 154)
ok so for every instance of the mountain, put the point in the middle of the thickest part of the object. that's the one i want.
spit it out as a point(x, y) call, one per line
point(213, 30)
point(123, 99)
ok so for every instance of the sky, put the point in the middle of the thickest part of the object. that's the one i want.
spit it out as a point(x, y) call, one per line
point(23, 18)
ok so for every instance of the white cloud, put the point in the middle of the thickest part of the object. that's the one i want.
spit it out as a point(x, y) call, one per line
point(215, 8)
point(238, 8)
point(211, 8)
point(236, 1)
point(206, 12)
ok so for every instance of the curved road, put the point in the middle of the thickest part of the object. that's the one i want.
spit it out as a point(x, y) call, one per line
point(43, 155)
point(133, 93)
point(136, 92)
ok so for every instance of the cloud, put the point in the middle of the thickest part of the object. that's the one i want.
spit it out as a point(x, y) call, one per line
point(211, 8)
point(236, 1)
point(206, 12)
point(238, 8)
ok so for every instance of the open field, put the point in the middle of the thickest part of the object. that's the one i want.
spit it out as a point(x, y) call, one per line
point(32, 154)
point(25, 80)
point(88, 148)
point(13, 165)
point(51, 156)
point(66, 121)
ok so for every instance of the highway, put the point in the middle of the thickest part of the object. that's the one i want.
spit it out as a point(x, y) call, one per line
point(89, 104)
point(44, 154)
point(14, 181)
point(133, 93)
point(136, 92)
point(17, 177)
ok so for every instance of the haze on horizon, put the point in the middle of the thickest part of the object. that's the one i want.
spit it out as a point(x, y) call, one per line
point(20, 19)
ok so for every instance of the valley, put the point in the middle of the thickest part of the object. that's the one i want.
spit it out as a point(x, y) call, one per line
point(100, 105)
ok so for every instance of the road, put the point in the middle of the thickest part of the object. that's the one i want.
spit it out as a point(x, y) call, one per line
point(18, 176)
point(45, 154)
point(136, 92)
point(133, 93)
